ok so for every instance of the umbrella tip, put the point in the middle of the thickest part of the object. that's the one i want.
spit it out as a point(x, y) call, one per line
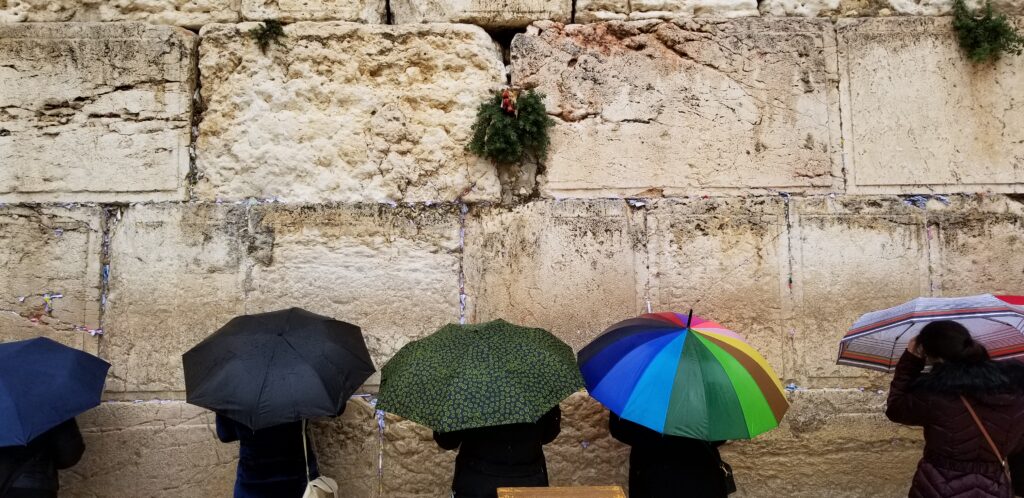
point(689, 318)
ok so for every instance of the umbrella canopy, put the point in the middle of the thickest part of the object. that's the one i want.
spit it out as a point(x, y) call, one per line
point(701, 381)
point(877, 339)
point(44, 383)
point(467, 376)
point(271, 368)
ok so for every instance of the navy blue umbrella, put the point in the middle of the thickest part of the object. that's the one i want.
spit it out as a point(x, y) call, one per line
point(44, 383)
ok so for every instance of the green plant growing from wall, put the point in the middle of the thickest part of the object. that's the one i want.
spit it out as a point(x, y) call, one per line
point(511, 125)
point(269, 31)
point(984, 36)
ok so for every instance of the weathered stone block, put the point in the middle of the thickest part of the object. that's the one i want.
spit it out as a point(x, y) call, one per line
point(345, 112)
point(486, 13)
point(584, 454)
point(348, 450)
point(370, 11)
point(719, 258)
point(881, 8)
point(824, 443)
point(567, 266)
point(850, 256)
point(414, 465)
point(614, 10)
point(919, 116)
point(688, 107)
point(159, 449)
point(188, 13)
point(94, 112)
point(176, 275)
point(392, 271)
point(977, 247)
point(50, 274)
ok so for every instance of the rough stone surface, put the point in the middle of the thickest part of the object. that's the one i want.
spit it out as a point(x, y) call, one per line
point(849, 257)
point(584, 454)
point(348, 448)
point(188, 13)
point(977, 247)
point(50, 254)
point(345, 112)
point(153, 449)
point(918, 116)
point(688, 107)
point(372, 266)
point(489, 14)
point(719, 258)
point(94, 112)
point(369, 11)
point(567, 266)
point(175, 277)
point(414, 465)
point(881, 8)
point(619, 10)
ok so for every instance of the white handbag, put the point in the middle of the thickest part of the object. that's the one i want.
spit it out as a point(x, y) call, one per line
point(321, 487)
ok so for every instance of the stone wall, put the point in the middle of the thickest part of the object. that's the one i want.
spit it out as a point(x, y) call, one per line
point(780, 166)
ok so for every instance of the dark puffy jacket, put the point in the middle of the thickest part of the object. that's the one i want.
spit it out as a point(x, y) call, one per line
point(270, 461)
point(500, 456)
point(957, 459)
point(661, 466)
point(31, 471)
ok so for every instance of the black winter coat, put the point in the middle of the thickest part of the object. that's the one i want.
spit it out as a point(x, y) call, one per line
point(663, 466)
point(270, 461)
point(31, 471)
point(958, 461)
point(500, 456)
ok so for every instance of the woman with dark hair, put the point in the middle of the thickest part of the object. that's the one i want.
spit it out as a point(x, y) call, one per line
point(271, 463)
point(971, 408)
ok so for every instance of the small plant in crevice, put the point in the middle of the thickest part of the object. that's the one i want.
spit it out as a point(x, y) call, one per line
point(510, 125)
point(985, 34)
point(269, 31)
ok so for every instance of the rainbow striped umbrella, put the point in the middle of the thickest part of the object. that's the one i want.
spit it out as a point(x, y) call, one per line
point(701, 382)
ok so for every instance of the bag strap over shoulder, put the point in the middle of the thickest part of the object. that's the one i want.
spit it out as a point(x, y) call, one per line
point(991, 443)
point(305, 452)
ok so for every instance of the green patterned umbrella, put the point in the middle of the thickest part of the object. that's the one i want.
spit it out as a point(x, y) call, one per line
point(466, 376)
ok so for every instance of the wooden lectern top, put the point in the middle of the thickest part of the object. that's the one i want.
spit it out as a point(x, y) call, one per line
point(566, 492)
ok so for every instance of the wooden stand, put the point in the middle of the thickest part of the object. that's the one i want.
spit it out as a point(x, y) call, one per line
point(567, 492)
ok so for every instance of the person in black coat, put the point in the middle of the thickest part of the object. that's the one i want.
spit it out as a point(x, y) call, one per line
point(31, 471)
point(270, 460)
point(663, 466)
point(500, 456)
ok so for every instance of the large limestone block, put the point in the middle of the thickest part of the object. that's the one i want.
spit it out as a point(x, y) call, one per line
point(612, 10)
point(825, 442)
point(345, 112)
point(370, 11)
point(187, 13)
point(849, 256)
point(414, 465)
point(687, 107)
point(584, 454)
point(94, 112)
point(725, 260)
point(870, 8)
point(158, 449)
point(977, 246)
point(917, 115)
point(489, 14)
point(175, 277)
point(50, 274)
point(392, 271)
point(348, 449)
point(567, 266)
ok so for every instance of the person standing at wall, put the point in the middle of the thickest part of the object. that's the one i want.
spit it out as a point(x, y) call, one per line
point(510, 455)
point(971, 408)
point(661, 466)
point(31, 471)
point(271, 463)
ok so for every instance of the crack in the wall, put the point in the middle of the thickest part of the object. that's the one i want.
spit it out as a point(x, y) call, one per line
point(111, 217)
point(463, 211)
point(193, 176)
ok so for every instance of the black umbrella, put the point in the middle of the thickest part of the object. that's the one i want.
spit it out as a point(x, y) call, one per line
point(272, 368)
